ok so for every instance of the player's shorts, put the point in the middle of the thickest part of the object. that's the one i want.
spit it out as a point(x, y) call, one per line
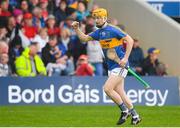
point(118, 72)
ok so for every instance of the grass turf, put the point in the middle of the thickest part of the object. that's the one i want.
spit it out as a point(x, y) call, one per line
point(88, 116)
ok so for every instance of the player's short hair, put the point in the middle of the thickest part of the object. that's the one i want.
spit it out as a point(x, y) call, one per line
point(100, 12)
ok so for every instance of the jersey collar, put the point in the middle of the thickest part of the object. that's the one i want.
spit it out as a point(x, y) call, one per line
point(105, 25)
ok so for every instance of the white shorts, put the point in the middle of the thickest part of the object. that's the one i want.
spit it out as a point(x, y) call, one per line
point(118, 72)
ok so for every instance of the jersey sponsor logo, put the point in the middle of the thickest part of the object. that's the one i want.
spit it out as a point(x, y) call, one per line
point(111, 43)
point(105, 45)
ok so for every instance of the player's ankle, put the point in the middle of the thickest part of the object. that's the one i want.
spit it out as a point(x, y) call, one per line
point(123, 107)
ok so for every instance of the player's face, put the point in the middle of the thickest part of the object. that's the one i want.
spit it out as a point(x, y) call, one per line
point(100, 21)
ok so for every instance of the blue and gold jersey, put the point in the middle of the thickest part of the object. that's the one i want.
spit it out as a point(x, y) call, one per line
point(110, 37)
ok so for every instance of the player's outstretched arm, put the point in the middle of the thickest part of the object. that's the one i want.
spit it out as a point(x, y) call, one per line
point(83, 37)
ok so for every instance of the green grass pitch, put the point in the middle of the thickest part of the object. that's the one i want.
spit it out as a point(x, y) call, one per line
point(85, 116)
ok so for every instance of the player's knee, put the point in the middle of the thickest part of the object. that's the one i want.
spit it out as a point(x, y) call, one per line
point(107, 89)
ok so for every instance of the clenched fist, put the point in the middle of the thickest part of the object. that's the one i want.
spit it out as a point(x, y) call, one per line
point(75, 25)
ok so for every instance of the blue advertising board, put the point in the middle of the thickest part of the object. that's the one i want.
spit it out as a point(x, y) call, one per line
point(84, 91)
point(168, 7)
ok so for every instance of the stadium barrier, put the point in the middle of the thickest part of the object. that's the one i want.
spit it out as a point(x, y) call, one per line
point(84, 91)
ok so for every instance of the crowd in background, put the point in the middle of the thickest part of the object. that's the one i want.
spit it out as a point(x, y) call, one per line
point(36, 38)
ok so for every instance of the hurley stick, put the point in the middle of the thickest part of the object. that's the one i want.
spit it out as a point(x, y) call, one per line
point(111, 54)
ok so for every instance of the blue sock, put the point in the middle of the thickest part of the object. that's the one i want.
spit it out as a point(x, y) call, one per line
point(123, 107)
point(133, 112)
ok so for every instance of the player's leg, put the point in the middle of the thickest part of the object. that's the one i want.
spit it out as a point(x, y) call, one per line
point(109, 87)
point(123, 107)
point(120, 90)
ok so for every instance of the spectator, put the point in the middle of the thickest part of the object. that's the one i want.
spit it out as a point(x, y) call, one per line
point(29, 64)
point(3, 47)
point(136, 57)
point(15, 50)
point(47, 51)
point(81, 11)
point(51, 6)
point(56, 3)
point(64, 45)
point(10, 26)
point(95, 55)
point(4, 5)
point(51, 25)
point(14, 3)
point(77, 48)
point(4, 69)
point(74, 4)
point(90, 21)
point(33, 4)
point(53, 58)
point(151, 62)
point(18, 31)
point(38, 19)
point(42, 39)
point(43, 6)
point(18, 14)
point(161, 69)
point(71, 12)
point(83, 67)
point(3, 32)
point(90, 24)
point(60, 13)
point(65, 42)
point(29, 30)
point(24, 6)
point(3, 21)
point(69, 2)
point(67, 24)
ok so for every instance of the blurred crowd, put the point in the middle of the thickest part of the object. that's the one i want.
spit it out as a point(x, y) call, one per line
point(36, 39)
